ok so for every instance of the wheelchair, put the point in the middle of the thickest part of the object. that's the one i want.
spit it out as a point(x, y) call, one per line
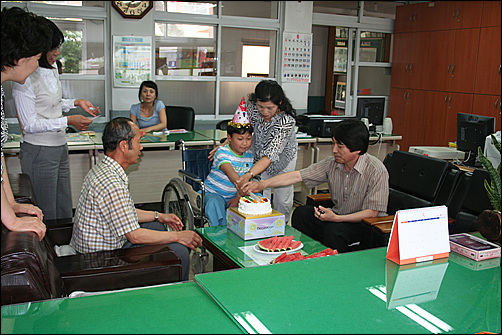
point(181, 196)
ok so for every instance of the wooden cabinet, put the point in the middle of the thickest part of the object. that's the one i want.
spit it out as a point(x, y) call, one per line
point(410, 65)
point(489, 62)
point(489, 105)
point(415, 17)
point(457, 14)
point(453, 60)
point(407, 110)
point(491, 14)
point(463, 61)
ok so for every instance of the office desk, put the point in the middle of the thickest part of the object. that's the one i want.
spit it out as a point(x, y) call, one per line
point(175, 309)
point(230, 251)
point(347, 293)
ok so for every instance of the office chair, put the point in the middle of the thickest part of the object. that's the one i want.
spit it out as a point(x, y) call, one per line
point(180, 117)
point(222, 125)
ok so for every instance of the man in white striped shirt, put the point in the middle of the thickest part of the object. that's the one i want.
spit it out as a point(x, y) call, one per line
point(358, 184)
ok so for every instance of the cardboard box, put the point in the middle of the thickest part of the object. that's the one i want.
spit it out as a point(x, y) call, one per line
point(473, 247)
point(253, 227)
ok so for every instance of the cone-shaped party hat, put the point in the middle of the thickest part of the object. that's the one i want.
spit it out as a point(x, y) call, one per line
point(241, 117)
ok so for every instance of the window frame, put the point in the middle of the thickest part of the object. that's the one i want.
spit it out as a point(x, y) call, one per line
point(84, 13)
point(220, 21)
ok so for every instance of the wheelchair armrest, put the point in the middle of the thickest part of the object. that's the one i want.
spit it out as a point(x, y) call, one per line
point(190, 176)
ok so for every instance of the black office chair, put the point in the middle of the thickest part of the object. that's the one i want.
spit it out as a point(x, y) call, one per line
point(222, 125)
point(180, 117)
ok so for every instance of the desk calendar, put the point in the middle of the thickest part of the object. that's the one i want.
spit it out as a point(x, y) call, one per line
point(419, 235)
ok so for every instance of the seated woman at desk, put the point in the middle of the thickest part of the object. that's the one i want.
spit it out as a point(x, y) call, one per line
point(150, 113)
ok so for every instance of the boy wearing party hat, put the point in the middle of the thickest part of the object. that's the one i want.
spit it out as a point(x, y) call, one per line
point(230, 162)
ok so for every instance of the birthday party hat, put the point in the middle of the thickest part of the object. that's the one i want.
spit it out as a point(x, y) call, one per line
point(241, 117)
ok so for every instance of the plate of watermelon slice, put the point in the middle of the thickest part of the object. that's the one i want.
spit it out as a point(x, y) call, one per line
point(277, 245)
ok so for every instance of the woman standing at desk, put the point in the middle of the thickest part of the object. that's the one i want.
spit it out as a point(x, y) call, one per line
point(24, 38)
point(44, 150)
point(274, 141)
point(150, 113)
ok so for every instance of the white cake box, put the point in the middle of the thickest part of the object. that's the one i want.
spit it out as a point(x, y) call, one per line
point(250, 227)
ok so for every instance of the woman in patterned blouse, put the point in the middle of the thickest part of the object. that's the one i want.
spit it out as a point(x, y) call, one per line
point(24, 37)
point(274, 141)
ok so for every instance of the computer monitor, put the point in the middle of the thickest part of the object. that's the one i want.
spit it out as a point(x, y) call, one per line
point(373, 109)
point(471, 134)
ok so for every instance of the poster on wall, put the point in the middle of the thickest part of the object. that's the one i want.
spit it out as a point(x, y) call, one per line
point(296, 57)
point(132, 59)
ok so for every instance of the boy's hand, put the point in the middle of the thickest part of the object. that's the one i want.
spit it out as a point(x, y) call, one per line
point(234, 202)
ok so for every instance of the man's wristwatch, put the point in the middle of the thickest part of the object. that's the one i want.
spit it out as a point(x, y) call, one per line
point(251, 173)
point(156, 216)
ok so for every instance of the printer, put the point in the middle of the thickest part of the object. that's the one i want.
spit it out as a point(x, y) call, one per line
point(318, 125)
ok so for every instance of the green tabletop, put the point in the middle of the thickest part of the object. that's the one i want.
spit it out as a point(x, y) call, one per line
point(241, 252)
point(347, 293)
point(177, 308)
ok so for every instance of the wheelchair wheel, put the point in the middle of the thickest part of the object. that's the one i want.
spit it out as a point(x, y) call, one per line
point(175, 201)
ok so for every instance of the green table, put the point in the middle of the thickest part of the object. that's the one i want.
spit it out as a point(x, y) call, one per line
point(347, 293)
point(177, 308)
point(230, 251)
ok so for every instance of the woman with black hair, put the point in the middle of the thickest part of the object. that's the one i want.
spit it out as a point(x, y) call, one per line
point(150, 113)
point(24, 38)
point(274, 141)
point(44, 150)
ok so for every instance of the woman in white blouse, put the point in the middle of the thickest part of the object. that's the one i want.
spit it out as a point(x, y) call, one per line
point(44, 150)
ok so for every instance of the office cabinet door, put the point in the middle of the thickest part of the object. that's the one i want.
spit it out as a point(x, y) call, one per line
point(407, 110)
point(465, 55)
point(419, 67)
point(401, 60)
point(441, 116)
point(457, 14)
point(415, 17)
point(410, 60)
point(489, 105)
point(491, 14)
point(435, 118)
point(457, 103)
point(489, 62)
point(441, 58)
point(453, 60)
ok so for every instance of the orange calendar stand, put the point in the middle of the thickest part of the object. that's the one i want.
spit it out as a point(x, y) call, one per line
point(419, 235)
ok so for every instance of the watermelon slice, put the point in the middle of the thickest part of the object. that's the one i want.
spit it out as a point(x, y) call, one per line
point(276, 243)
point(287, 243)
point(281, 258)
point(294, 245)
point(267, 243)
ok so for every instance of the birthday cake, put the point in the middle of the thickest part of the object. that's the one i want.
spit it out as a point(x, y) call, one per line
point(258, 206)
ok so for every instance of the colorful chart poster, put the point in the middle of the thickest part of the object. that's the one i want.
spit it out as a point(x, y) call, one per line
point(296, 57)
point(132, 59)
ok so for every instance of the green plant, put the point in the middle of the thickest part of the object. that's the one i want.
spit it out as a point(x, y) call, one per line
point(492, 188)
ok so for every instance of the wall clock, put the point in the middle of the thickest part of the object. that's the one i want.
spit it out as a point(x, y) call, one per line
point(132, 9)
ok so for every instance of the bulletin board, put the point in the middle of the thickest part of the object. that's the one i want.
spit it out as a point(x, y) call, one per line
point(296, 57)
point(132, 59)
